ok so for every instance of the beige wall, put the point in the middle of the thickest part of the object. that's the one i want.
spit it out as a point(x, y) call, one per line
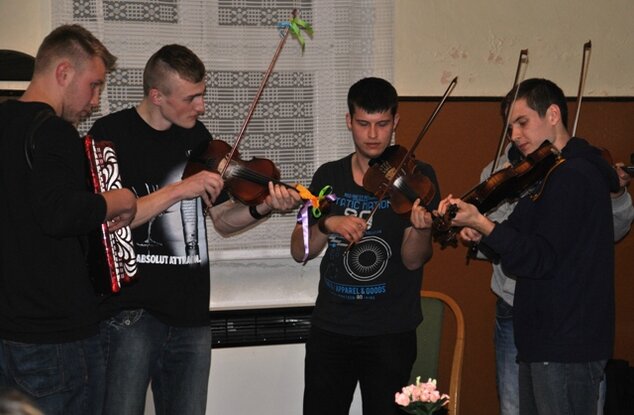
point(23, 24)
point(480, 41)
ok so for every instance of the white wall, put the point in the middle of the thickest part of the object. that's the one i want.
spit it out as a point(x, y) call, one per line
point(263, 380)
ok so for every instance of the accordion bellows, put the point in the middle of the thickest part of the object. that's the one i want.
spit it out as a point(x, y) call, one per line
point(112, 261)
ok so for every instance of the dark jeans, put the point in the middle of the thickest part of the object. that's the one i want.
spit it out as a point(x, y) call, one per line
point(62, 379)
point(140, 348)
point(549, 388)
point(335, 363)
point(507, 368)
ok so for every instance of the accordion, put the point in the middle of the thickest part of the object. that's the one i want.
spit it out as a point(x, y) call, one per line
point(111, 257)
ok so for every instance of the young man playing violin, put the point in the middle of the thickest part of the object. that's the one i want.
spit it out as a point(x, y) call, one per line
point(503, 286)
point(158, 329)
point(368, 305)
point(558, 243)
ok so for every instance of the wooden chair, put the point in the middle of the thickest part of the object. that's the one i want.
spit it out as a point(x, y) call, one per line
point(430, 340)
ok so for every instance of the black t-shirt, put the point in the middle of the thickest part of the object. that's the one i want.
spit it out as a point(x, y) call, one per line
point(46, 212)
point(172, 255)
point(366, 291)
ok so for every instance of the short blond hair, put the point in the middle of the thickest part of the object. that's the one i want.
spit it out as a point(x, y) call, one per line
point(75, 43)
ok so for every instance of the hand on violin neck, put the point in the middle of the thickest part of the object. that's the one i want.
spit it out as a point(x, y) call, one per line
point(465, 214)
point(446, 203)
point(281, 198)
point(469, 236)
point(420, 218)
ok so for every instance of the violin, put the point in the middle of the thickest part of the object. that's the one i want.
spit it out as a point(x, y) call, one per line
point(504, 184)
point(409, 185)
point(509, 183)
point(246, 181)
point(397, 166)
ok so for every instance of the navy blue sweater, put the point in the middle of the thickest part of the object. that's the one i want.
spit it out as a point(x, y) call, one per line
point(561, 248)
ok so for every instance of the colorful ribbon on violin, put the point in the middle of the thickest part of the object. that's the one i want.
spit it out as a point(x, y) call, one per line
point(292, 27)
point(316, 205)
point(295, 27)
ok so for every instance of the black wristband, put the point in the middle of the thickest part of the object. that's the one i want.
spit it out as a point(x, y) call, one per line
point(321, 225)
point(255, 214)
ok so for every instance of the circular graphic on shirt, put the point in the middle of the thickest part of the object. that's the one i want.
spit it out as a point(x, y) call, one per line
point(367, 259)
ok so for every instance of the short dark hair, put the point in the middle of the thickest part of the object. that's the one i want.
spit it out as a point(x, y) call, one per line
point(539, 94)
point(372, 95)
point(175, 59)
point(75, 43)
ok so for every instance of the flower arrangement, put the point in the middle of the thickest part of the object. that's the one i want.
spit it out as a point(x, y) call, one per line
point(421, 398)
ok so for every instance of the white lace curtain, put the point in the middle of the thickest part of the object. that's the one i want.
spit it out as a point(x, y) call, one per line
point(299, 122)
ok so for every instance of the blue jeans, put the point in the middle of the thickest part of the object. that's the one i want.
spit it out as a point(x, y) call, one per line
point(506, 366)
point(139, 348)
point(62, 378)
point(550, 388)
point(334, 364)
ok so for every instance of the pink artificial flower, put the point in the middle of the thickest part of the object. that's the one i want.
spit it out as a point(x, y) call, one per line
point(402, 399)
point(421, 398)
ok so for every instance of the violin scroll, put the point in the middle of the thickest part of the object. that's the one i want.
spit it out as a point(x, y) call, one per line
point(442, 230)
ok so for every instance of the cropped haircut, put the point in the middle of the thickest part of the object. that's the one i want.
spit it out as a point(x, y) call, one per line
point(372, 95)
point(171, 59)
point(539, 94)
point(75, 43)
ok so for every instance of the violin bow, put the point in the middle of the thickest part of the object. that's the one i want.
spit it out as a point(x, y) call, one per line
point(292, 27)
point(585, 61)
point(409, 153)
point(522, 59)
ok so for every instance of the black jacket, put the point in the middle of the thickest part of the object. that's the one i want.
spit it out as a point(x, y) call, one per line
point(561, 248)
point(46, 211)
